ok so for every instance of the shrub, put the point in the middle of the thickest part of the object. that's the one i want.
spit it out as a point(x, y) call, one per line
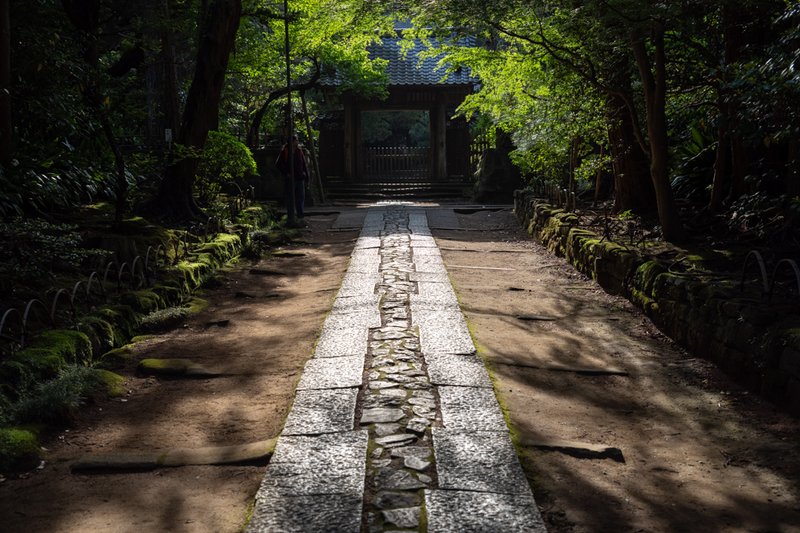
point(224, 160)
point(19, 450)
point(164, 319)
point(58, 401)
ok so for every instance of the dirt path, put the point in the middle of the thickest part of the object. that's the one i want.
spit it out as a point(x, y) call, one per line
point(695, 452)
point(274, 321)
point(686, 449)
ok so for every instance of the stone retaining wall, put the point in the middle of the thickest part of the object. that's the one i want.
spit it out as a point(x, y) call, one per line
point(755, 341)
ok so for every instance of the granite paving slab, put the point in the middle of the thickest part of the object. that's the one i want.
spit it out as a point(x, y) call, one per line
point(470, 409)
point(312, 477)
point(429, 264)
point(451, 511)
point(341, 320)
point(348, 450)
point(358, 284)
point(332, 373)
point(321, 411)
point(422, 241)
point(426, 251)
point(438, 335)
point(350, 219)
point(368, 242)
point(429, 277)
point(484, 462)
point(344, 341)
point(359, 304)
point(457, 370)
point(308, 514)
point(437, 296)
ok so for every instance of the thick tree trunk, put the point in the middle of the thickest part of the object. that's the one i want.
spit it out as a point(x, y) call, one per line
point(202, 105)
point(633, 188)
point(170, 89)
point(6, 124)
point(721, 162)
point(655, 91)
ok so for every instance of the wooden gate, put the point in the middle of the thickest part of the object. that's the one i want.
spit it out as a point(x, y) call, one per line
point(397, 162)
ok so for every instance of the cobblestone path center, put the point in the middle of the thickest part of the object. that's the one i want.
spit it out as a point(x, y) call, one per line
point(395, 426)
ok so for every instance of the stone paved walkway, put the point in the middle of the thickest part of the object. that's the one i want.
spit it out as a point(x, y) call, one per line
point(395, 426)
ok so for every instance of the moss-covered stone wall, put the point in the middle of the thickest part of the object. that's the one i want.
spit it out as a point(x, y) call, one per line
point(99, 336)
point(755, 341)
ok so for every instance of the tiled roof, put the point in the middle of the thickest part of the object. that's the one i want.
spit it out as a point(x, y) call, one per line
point(407, 69)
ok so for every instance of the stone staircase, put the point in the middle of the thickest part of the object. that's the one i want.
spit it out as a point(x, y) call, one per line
point(340, 191)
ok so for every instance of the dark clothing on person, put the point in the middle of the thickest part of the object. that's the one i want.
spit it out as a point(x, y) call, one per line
point(300, 178)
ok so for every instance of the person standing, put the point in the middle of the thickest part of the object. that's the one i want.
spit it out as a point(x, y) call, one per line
point(296, 182)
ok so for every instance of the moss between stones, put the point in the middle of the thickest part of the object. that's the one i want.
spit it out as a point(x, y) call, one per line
point(19, 450)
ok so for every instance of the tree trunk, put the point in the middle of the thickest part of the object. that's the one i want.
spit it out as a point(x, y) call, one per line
point(253, 133)
point(6, 124)
point(202, 105)
point(170, 94)
point(655, 91)
point(721, 161)
point(633, 188)
point(313, 150)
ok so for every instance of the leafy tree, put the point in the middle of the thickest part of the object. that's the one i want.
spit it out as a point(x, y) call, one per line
point(201, 111)
point(224, 160)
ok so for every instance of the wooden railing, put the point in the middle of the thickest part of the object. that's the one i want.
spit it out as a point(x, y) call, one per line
point(397, 162)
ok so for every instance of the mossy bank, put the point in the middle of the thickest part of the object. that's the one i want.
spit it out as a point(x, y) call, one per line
point(754, 340)
point(46, 366)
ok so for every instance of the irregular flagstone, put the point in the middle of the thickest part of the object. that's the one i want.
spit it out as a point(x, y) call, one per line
point(470, 409)
point(332, 373)
point(321, 411)
point(484, 462)
point(407, 517)
point(381, 415)
point(452, 511)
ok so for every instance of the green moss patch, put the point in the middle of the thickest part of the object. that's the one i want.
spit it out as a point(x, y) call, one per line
point(117, 358)
point(174, 367)
point(144, 301)
point(113, 384)
point(19, 450)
